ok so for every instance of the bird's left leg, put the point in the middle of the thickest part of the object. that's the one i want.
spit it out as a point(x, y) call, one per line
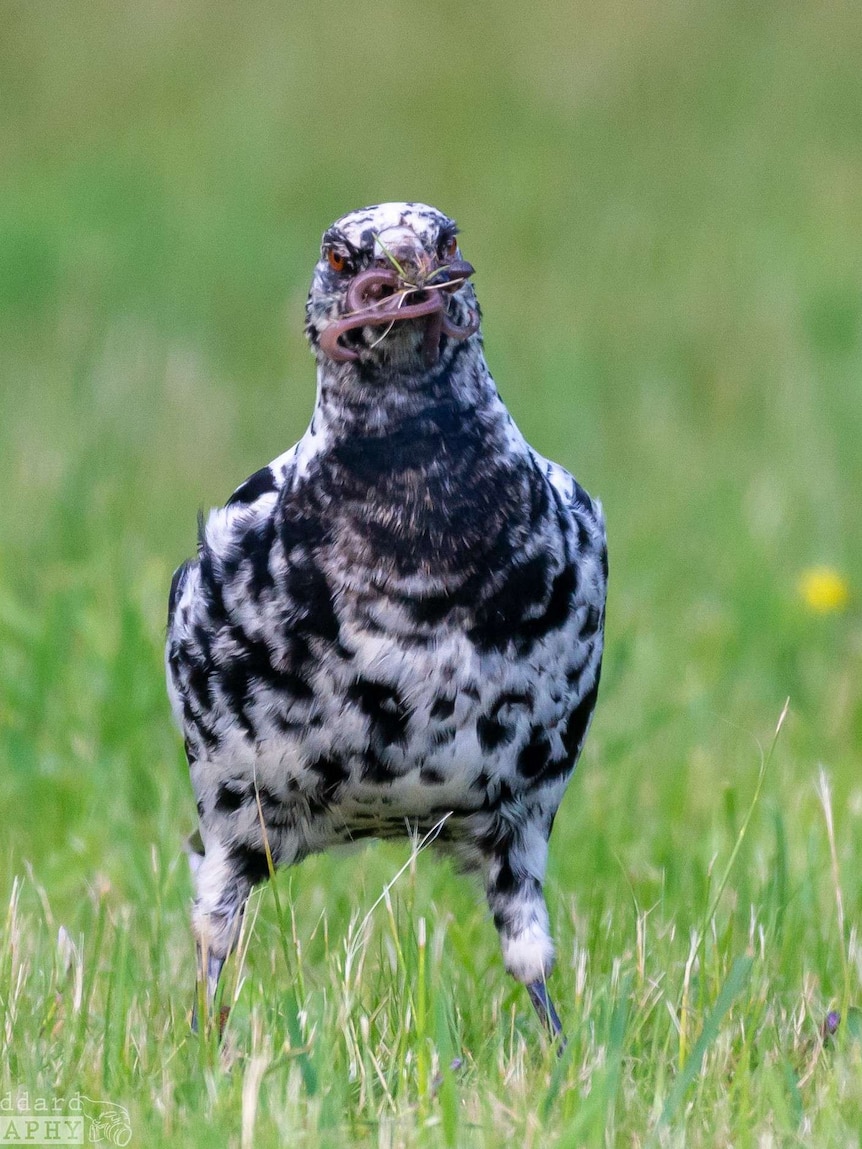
point(513, 883)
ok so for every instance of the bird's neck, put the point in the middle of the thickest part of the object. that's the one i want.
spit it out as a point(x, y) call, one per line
point(432, 467)
point(357, 402)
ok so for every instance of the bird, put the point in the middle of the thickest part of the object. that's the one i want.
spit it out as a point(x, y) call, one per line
point(396, 627)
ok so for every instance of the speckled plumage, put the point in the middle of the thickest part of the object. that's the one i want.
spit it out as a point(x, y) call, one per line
point(396, 622)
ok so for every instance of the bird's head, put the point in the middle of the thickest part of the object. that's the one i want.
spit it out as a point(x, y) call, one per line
point(391, 289)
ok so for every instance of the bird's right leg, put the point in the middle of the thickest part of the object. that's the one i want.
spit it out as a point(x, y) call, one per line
point(221, 890)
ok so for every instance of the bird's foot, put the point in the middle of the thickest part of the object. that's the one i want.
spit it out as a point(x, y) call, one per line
point(548, 1016)
point(205, 993)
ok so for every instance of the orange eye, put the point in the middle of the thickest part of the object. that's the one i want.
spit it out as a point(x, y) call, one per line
point(336, 260)
point(449, 247)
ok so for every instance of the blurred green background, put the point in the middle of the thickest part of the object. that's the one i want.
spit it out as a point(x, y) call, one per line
point(662, 202)
point(663, 206)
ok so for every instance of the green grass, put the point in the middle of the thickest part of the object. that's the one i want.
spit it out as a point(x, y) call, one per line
point(662, 205)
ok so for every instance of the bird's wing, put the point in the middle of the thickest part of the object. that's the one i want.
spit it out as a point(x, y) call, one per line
point(252, 501)
point(268, 480)
point(585, 510)
point(226, 531)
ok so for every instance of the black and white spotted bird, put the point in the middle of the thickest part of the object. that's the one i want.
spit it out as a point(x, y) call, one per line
point(397, 625)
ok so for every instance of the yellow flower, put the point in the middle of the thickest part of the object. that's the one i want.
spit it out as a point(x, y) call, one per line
point(824, 590)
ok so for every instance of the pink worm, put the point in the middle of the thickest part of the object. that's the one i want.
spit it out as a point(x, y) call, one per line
point(367, 307)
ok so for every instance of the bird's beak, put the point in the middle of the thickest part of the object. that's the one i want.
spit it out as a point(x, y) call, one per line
point(404, 283)
point(398, 249)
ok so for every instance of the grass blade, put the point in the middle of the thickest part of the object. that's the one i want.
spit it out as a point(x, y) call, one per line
point(739, 975)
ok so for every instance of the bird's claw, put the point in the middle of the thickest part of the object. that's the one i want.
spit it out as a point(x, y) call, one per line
point(548, 1016)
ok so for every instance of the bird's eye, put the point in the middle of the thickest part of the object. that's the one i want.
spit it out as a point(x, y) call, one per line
point(448, 247)
point(337, 261)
